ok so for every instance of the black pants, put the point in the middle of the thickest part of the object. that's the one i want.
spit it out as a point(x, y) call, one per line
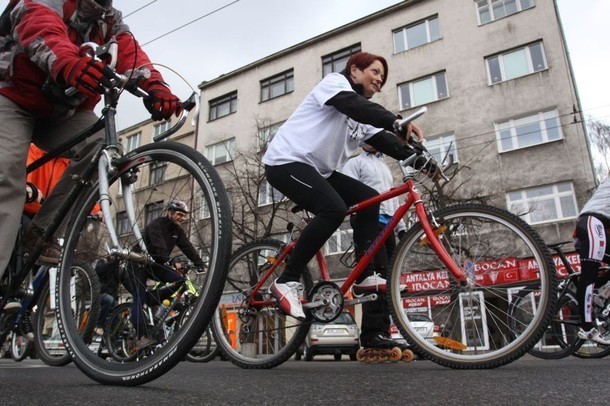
point(586, 244)
point(139, 275)
point(328, 199)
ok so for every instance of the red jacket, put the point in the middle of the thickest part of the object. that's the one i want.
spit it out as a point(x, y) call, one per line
point(47, 35)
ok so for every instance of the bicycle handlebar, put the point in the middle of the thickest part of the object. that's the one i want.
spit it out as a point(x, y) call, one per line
point(421, 150)
point(130, 81)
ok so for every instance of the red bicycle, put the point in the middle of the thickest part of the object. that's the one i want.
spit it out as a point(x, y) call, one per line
point(461, 265)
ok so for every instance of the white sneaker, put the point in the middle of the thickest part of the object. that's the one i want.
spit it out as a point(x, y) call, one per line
point(287, 296)
point(12, 307)
point(594, 335)
point(373, 283)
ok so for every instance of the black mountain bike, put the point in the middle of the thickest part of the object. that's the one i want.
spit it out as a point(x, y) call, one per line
point(125, 188)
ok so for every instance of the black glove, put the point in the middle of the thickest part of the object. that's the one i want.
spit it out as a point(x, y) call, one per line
point(161, 102)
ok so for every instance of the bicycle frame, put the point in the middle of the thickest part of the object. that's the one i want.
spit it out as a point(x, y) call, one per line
point(413, 199)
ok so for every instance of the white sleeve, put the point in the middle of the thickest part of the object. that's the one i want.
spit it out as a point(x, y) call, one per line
point(351, 169)
point(329, 87)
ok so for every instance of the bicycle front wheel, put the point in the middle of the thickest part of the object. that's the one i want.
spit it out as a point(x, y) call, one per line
point(256, 337)
point(142, 185)
point(499, 254)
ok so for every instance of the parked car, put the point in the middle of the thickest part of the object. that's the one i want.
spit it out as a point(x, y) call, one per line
point(341, 336)
point(422, 324)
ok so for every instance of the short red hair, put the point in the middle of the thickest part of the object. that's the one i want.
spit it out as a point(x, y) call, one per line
point(363, 60)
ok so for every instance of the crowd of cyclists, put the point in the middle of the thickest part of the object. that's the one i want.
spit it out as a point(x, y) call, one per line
point(40, 58)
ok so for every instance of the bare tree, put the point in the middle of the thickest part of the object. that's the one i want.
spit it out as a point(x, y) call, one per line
point(256, 206)
point(599, 134)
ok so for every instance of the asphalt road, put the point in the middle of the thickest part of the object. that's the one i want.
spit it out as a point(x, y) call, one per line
point(528, 381)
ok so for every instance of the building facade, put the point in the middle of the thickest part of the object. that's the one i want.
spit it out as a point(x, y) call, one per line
point(494, 74)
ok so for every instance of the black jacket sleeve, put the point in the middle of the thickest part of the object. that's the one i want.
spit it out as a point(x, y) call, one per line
point(389, 144)
point(360, 109)
point(187, 248)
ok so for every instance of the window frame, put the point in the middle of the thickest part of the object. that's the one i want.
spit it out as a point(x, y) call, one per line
point(286, 78)
point(405, 37)
point(543, 116)
point(156, 174)
point(411, 89)
point(151, 209)
point(129, 141)
point(502, 66)
point(344, 231)
point(339, 57)
point(214, 105)
point(444, 141)
point(122, 221)
point(488, 6)
point(161, 127)
point(229, 146)
point(528, 203)
point(271, 195)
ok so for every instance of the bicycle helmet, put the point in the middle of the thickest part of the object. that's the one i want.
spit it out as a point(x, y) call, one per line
point(178, 205)
point(179, 259)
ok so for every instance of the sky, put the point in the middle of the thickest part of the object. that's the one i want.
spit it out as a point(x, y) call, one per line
point(224, 35)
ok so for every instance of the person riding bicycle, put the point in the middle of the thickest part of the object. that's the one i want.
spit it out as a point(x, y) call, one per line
point(161, 236)
point(592, 246)
point(303, 159)
point(39, 59)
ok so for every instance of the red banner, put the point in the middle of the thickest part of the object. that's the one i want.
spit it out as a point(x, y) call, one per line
point(487, 273)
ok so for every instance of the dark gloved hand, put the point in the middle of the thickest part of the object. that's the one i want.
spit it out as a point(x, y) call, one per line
point(88, 76)
point(161, 102)
point(401, 234)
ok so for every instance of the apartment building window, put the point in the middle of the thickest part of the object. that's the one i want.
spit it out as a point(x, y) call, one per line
point(160, 128)
point(417, 34)
point(491, 10)
point(265, 135)
point(223, 106)
point(516, 63)
point(201, 210)
point(423, 91)
point(336, 61)
point(544, 204)
point(123, 226)
point(277, 85)
point(157, 173)
point(222, 152)
point(527, 131)
point(133, 141)
point(442, 146)
point(152, 211)
point(341, 240)
point(267, 194)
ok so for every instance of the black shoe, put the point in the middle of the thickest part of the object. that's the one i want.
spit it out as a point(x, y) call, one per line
point(26, 326)
point(33, 237)
point(379, 341)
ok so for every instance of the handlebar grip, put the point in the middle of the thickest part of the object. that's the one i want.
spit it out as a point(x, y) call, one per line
point(403, 123)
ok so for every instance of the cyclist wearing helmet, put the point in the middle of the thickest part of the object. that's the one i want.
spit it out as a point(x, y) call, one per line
point(161, 236)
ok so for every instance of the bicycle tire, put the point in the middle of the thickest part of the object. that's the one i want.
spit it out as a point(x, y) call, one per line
point(21, 347)
point(496, 249)
point(186, 175)
point(560, 339)
point(205, 349)
point(47, 337)
point(275, 336)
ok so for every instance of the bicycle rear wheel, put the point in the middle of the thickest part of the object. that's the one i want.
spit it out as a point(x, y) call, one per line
point(499, 254)
point(256, 337)
point(155, 175)
point(205, 349)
